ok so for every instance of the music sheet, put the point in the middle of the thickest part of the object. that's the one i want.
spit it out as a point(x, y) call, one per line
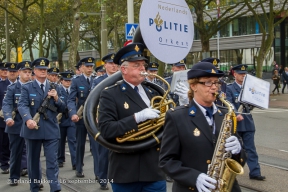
point(179, 76)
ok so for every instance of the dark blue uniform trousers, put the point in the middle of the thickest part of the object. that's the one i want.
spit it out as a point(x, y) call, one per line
point(52, 170)
point(18, 158)
point(252, 156)
point(81, 134)
point(159, 186)
point(103, 162)
point(4, 150)
point(70, 133)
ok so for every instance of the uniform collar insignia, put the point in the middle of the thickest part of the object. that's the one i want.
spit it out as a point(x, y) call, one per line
point(123, 87)
point(220, 113)
point(192, 111)
point(149, 90)
point(196, 132)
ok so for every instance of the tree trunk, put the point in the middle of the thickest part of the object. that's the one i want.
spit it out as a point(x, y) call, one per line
point(41, 50)
point(75, 34)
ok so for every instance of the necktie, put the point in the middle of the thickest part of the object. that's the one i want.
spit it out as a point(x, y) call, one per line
point(88, 81)
point(67, 91)
point(42, 87)
point(136, 89)
point(209, 112)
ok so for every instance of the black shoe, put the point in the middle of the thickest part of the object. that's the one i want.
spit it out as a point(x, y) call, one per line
point(5, 171)
point(259, 177)
point(104, 187)
point(13, 182)
point(41, 186)
point(97, 178)
point(169, 179)
point(24, 172)
point(60, 165)
point(74, 167)
point(79, 174)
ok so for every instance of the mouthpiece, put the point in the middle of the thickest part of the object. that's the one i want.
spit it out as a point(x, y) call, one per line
point(144, 74)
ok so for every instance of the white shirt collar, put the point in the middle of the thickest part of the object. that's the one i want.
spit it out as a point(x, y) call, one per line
point(204, 110)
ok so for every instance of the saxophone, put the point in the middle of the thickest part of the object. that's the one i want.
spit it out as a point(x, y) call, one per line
point(222, 168)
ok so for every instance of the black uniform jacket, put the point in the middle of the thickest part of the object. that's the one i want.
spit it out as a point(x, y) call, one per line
point(117, 106)
point(187, 145)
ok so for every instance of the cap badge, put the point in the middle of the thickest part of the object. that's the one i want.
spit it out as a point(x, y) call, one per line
point(54, 70)
point(69, 75)
point(27, 65)
point(12, 65)
point(154, 65)
point(136, 48)
point(112, 56)
point(215, 62)
point(182, 61)
point(212, 71)
point(243, 68)
point(42, 63)
point(126, 105)
point(4, 65)
point(196, 132)
point(90, 60)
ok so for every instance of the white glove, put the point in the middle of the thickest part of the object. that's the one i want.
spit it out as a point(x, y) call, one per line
point(232, 144)
point(145, 114)
point(204, 182)
point(182, 91)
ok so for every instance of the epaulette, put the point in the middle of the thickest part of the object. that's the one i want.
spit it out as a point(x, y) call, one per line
point(115, 85)
point(11, 84)
point(179, 107)
point(229, 84)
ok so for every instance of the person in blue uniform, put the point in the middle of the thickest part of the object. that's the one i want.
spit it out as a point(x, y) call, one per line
point(179, 66)
point(191, 131)
point(109, 66)
point(3, 71)
point(46, 133)
point(100, 70)
point(67, 127)
point(78, 71)
point(121, 108)
point(245, 122)
point(79, 91)
point(223, 85)
point(53, 75)
point(12, 75)
point(153, 69)
point(18, 159)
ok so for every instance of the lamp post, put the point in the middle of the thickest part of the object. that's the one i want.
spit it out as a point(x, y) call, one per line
point(7, 35)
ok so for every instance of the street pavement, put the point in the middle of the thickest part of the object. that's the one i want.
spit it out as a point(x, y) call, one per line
point(267, 152)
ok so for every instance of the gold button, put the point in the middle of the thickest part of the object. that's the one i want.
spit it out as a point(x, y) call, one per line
point(192, 189)
point(208, 161)
point(241, 160)
point(158, 149)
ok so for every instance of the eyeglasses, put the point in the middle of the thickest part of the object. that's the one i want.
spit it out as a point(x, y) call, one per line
point(138, 65)
point(210, 83)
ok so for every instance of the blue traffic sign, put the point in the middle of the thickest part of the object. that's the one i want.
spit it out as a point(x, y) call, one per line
point(130, 29)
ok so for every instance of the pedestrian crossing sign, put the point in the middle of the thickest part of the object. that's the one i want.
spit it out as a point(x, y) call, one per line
point(130, 29)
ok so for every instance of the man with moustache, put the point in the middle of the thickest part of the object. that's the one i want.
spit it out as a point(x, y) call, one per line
point(46, 133)
point(18, 159)
point(79, 91)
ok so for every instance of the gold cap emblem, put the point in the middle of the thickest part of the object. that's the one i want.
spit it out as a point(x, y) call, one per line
point(212, 71)
point(182, 61)
point(4, 65)
point(215, 62)
point(243, 68)
point(126, 105)
point(112, 56)
point(54, 70)
point(69, 75)
point(196, 132)
point(12, 66)
point(90, 60)
point(42, 63)
point(154, 65)
point(27, 65)
point(136, 48)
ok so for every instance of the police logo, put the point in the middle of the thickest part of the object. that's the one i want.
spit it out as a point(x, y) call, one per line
point(4, 65)
point(192, 112)
point(243, 68)
point(112, 56)
point(90, 60)
point(196, 132)
point(154, 65)
point(42, 63)
point(27, 65)
point(136, 48)
point(158, 21)
point(69, 75)
point(182, 61)
point(54, 70)
point(215, 62)
point(12, 66)
point(126, 105)
point(123, 88)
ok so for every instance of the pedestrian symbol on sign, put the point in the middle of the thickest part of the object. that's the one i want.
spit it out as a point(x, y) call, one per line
point(130, 29)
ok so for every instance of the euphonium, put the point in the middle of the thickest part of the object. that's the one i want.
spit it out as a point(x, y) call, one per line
point(149, 127)
point(222, 168)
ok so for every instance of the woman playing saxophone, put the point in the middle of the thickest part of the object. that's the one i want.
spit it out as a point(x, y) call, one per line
point(191, 134)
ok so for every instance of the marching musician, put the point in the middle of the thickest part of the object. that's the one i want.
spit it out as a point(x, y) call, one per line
point(52, 76)
point(46, 132)
point(121, 107)
point(18, 159)
point(245, 122)
point(191, 132)
point(67, 127)
point(153, 69)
